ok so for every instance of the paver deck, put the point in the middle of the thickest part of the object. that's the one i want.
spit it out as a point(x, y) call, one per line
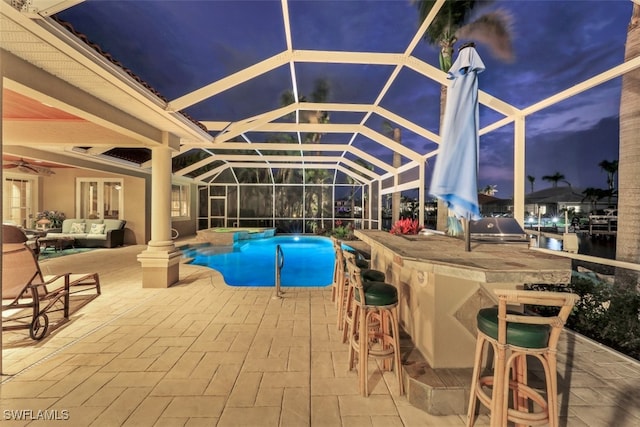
point(204, 353)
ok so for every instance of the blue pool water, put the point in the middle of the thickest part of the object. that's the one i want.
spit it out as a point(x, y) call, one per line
point(308, 261)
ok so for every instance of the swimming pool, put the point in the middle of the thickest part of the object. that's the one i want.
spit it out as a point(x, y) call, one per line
point(308, 261)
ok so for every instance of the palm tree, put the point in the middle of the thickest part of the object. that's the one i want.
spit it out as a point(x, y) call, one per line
point(320, 94)
point(628, 236)
point(531, 179)
point(611, 168)
point(493, 29)
point(490, 190)
point(594, 195)
point(555, 178)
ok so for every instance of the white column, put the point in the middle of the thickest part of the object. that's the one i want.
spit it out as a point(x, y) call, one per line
point(519, 170)
point(160, 198)
point(379, 204)
point(161, 260)
point(1, 196)
point(421, 199)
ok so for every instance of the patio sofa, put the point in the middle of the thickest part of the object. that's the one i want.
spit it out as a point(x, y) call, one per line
point(93, 233)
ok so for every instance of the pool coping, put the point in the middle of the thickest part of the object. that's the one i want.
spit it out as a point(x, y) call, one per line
point(225, 236)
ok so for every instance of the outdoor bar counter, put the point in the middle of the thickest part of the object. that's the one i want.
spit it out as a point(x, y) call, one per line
point(441, 286)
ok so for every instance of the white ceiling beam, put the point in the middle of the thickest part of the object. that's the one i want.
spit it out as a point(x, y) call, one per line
point(424, 26)
point(393, 117)
point(440, 77)
point(221, 168)
point(287, 24)
point(307, 127)
point(230, 81)
point(412, 185)
point(345, 57)
point(274, 146)
point(196, 165)
point(390, 143)
point(603, 77)
point(333, 106)
point(252, 123)
point(496, 125)
point(334, 160)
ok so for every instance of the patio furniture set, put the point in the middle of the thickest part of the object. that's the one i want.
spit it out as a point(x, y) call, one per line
point(367, 311)
point(87, 233)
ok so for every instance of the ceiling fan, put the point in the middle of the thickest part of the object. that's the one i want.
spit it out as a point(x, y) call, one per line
point(26, 167)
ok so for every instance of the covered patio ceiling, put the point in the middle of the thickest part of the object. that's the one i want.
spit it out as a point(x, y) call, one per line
point(77, 87)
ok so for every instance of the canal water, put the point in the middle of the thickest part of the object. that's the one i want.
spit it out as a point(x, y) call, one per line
point(603, 247)
point(600, 246)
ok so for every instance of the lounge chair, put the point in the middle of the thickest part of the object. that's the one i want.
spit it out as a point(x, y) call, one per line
point(14, 234)
point(27, 300)
point(29, 297)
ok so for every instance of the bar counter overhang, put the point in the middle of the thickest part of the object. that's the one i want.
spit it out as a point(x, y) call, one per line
point(441, 286)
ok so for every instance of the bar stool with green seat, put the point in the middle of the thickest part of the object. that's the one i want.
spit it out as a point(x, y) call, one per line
point(514, 336)
point(367, 275)
point(374, 330)
point(339, 275)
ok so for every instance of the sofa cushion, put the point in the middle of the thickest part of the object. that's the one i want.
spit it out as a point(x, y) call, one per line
point(77, 227)
point(96, 229)
point(100, 236)
point(74, 235)
point(90, 222)
point(66, 224)
point(113, 224)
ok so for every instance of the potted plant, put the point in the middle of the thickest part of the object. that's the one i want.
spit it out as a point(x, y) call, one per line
point(55, 218)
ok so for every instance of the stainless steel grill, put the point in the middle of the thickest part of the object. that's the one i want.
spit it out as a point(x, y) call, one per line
point(497, 230)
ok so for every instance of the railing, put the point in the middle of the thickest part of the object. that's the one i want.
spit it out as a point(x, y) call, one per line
point(279, 266)
point(603, 224)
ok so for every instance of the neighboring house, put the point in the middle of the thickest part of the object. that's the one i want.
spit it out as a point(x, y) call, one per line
point(554, 200)
point(494, 206)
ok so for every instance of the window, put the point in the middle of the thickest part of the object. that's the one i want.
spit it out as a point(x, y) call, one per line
point(99, 198)
point(179, 201)
point(18, 201)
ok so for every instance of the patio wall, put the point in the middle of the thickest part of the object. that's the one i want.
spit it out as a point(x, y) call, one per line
point(58, 192)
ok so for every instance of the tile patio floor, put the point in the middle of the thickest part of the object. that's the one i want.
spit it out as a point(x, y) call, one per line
point(205, 354)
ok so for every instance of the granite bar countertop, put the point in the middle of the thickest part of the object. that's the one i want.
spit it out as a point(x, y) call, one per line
point(487, 261)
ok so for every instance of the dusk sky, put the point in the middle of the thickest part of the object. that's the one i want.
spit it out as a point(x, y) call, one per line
point(178, 46)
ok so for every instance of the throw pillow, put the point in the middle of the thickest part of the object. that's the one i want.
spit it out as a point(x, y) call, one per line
point(96, 229)
point(77, 227)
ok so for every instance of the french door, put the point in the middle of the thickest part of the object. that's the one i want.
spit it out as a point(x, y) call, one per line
point(99, 198)
point(19, 199)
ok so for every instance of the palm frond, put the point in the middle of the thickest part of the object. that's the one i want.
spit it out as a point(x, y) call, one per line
point(493, 30)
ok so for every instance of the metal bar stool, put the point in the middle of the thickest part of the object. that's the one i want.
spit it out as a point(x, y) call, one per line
point(367, 275)
point(374, 330)
point(514, 336)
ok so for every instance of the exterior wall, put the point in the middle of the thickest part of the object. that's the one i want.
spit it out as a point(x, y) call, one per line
point(188, 227)
point(58, 192)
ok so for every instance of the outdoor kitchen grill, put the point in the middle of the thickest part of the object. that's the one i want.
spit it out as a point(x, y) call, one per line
point(499, 230)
